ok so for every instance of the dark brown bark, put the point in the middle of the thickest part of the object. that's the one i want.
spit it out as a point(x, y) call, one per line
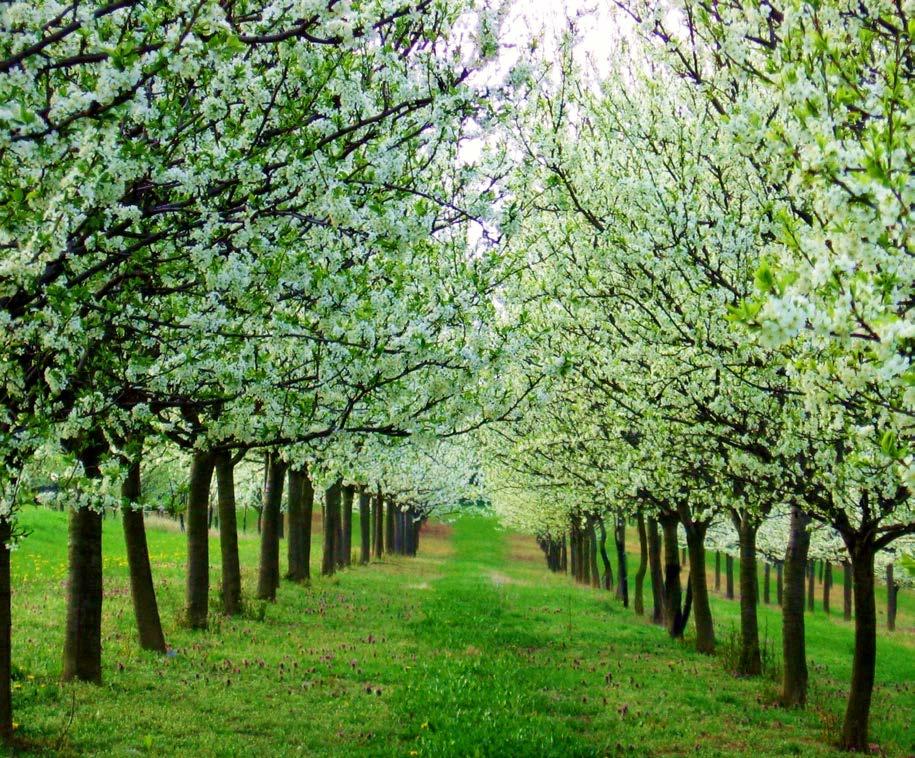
point(83, 636)
point(268, 578)
point(607, 581)
point(365, 525)
point(892, 596)
point(6, 627)
point(767, 581)
point(142, 591)
point(379, 524)
point(794, 651)
point(702, 609)
point(846, 590)
point(592, 555)
point(729, 577)
point(82, 656)
point(228, 534)
point(346, 548)
point(779, 582)
point(811, 585)
point(750, 660)
point(622, 574)
point(198, 544)
point(643, 567)
point(308, 504)
point(717, 571)
point(563, 556)
point(827, 585)
point(295, 537)
point(674, 620)
point(655, 570)
point(331, 515)
point(857, 712)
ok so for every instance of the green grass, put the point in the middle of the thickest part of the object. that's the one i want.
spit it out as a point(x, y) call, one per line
point(472, 648)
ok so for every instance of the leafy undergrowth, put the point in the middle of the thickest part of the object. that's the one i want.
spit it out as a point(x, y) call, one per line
point(471, 648)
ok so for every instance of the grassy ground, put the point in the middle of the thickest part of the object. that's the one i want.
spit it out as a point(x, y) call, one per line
point(472, 648)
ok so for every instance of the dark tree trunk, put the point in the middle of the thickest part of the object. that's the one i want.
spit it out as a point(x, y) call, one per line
point(308, 504)
point(643, 567)
point(563, 556)
point(82, 658)
point(846, 590)
point(295, 538)
point(592, 555)
point(379, 524)
point(346, 556)
point(228, 534)
point(365, 525)
point(811, 585)
point(750, 660)
point(717, 571)
point(605, 559)
point(83, 636)
point(729, 576)
point(695, 541)
point(585, 548)
point(654, 566)
point(331, 515)
point(675, 619)
point(767, 580)
point(622, 575)
point(268, 578)
point(389, 527)
point(779, 582)
point(198, 545)
point(6, 628)
point(142, 591)
point(827, 584)
point(892, 596)
point(857, 713)
point(794, 652)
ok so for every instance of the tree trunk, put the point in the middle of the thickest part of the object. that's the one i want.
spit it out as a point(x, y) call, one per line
point(6, 627)
point(331, 515)
point(563, 556)
point(142, 591)
point(379, 524)
point(346, 556)
point(308, 504)
point(295, 537)
point(622, 575)
point(857, 714)
point(605, 559)
point(811, 586)
point(364, 526)
point(750, 660)
point(198, 545)
point(82, 658)
point(654, 566)
point(827, 585)
point(592, 555)
point(83, 636)
point(717, 571)
point(673, 620)
point(892, 595)
point(767, 577)
point(228, 534)
point(695, 541)
point(846, 590)
point(389, 527)
point(268, 578)
point(643, 567)
point(729, 576)
point(779, 582)
point(794, 652)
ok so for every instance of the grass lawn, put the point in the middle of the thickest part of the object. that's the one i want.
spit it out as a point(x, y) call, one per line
point(472, 648)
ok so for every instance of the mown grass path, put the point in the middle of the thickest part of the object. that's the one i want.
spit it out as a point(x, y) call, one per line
point(472, 648)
